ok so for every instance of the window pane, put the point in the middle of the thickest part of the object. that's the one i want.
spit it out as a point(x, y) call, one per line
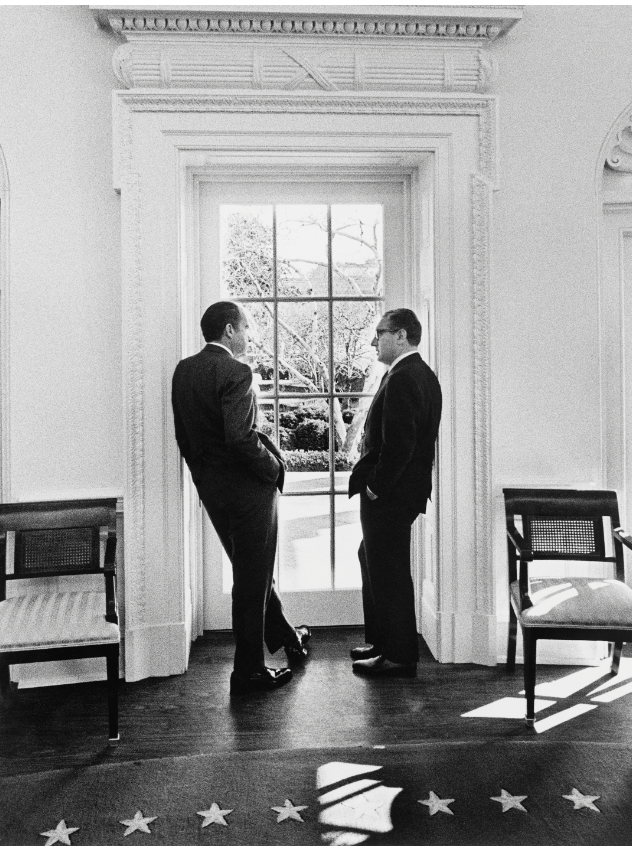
point(246, 254)
point(266, 418)
point(357, 254)
point(356, 368)
point(261, 356)
point(354, 357)
point(302, 255)
point(304, 543)
point(304, 441)
point(348, 537)
point(304, 345)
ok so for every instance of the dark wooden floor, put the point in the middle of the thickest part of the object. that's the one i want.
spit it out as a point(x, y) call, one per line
point(324, 705)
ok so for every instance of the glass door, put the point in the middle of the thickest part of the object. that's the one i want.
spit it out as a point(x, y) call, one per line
point(309, 263)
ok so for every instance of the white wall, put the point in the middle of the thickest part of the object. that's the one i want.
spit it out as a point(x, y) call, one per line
point(565, 75)
point(65, 316)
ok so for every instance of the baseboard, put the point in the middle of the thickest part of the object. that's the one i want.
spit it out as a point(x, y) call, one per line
point(156, 650)
point(429, 627)
point(459, 638)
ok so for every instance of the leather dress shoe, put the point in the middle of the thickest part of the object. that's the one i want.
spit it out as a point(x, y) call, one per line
point(361, 652)
point(381, 666)
point(264, 679)
point(298, 651)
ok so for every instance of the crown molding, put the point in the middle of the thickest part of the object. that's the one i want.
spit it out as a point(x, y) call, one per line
point(467, 23)
point(438, 49)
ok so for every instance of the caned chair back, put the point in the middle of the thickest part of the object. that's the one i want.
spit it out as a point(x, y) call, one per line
point(56, 538)
point(562, 525)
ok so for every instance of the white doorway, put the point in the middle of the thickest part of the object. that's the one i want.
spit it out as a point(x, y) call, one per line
point(316, 262)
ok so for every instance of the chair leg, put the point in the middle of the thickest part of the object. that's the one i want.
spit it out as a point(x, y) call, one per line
point(511, 641)
point(616, 656)
point(112, 659)
point(5, 676)
point(529, 675)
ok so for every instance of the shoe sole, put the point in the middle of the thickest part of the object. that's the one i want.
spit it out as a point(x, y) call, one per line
point(362, 656)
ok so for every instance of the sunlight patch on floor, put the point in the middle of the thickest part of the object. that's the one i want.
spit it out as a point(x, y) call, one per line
point(611, 695)
point(359, 805)
point(562, 717)
point(508, 708)
point(568, 685)
point(625, 672)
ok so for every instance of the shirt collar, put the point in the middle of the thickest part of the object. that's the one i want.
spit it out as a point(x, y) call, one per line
point(217, 344)
point(400, 357)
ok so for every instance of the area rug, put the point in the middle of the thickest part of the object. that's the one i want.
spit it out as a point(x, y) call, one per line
point(493, 794)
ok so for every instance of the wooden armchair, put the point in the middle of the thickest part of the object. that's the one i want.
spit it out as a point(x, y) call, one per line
point(51, 541)
point(564, 525)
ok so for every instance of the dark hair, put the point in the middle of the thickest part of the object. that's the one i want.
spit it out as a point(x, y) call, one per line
point(404, 318)
point(216, 317)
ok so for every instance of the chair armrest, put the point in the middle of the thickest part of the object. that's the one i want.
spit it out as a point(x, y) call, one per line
point(109, 568)
point(109, 562)
point(519, 542)
point(621, 535)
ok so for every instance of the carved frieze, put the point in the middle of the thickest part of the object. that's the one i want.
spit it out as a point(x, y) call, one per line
point(292, 68)
point(326, 52)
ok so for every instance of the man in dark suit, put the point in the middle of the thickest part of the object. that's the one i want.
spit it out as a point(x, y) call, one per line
point(237, 471)
point(394, 479)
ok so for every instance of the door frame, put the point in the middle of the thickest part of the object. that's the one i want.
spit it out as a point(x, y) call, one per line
point(345, 603)
point(159, 137)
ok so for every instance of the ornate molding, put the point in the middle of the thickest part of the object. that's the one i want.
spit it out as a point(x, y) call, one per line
point(484, 108)
point(335, 50)
point(470, 23)
point(293, 67)
point(481, 272)
point(132, 130)
point(619, 146)
point(133, 308)
point(5, 440)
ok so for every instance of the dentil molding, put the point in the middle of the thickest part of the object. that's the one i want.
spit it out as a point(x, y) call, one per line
point(376, 49)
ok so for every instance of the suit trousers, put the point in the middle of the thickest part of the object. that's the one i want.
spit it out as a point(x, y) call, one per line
point(388, 597)
point(246, 520)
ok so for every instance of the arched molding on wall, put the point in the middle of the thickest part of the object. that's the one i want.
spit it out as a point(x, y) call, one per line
point(5, 453)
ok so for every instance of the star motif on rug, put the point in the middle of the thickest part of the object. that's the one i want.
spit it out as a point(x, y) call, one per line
point(581, 801)
point(289, 811)
point(214, 815)
point(508, 801)
point(139, 823)
point(435, 804)
point(61, 834)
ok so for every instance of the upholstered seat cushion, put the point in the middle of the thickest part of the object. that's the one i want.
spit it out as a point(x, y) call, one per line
point(599, 603)
point(47, 620)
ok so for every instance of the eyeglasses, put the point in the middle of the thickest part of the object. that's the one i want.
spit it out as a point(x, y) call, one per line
point(380, 332)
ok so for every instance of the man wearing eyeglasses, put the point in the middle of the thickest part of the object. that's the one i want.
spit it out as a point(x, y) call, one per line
point(394, 479)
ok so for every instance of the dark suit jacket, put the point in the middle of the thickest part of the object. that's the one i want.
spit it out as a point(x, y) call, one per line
point(215, 417)
point(401, 428)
